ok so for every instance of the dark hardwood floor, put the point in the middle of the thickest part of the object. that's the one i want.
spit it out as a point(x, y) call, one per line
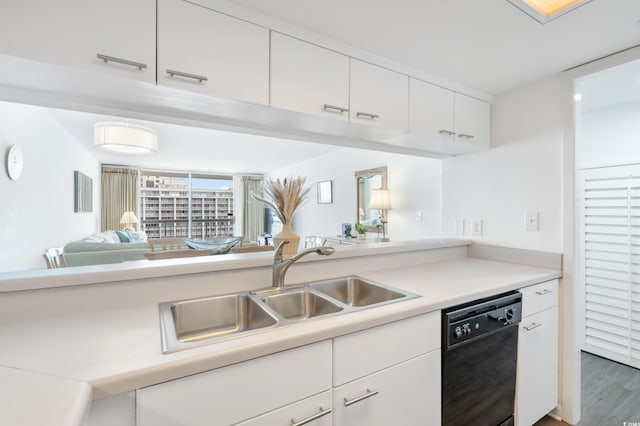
point(610, 394)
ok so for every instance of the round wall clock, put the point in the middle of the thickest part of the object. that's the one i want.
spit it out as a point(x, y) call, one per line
point(14, 162)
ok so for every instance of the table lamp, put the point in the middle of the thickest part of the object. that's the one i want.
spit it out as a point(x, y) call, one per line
point(129, 219)
point(380, 201)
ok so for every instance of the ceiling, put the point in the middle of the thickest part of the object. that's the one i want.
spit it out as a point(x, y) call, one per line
point(489, 45)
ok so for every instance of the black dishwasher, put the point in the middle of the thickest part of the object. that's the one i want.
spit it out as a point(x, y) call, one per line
point(479, 355)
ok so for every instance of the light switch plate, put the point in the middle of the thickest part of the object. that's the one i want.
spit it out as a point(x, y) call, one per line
point(531, 221)
point(476, 227)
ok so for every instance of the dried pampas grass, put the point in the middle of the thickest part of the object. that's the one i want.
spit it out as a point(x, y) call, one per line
point(283, 196)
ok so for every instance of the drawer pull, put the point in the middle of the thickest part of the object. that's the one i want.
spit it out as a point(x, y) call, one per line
point(366, 115)
point(543, 292)
point(465, 136)
point(333, 108)
point(200, 78)
point(106, 59)
point(311, 418)
point(369, 394)
point(532, 326)
point(446, 132)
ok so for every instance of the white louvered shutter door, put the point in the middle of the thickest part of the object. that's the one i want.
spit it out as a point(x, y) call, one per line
point(610, 261)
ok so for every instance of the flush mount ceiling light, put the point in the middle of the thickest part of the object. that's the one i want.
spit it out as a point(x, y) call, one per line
point(544, 11)
point(125, 138)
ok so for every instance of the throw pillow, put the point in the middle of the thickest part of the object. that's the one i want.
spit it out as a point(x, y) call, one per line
point(124, 238)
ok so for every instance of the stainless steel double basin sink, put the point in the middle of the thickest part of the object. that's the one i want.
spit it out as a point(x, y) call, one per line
point(196, 322)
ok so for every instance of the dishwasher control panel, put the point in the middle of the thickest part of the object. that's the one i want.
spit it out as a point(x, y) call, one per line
point(468, 321)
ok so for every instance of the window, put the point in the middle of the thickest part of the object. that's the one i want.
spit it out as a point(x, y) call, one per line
point(185, 205)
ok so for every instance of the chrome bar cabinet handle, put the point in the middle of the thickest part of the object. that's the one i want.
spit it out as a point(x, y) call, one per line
point(366, 115)
point(532, 326)
point(543, 292)
point(106, 59)
point(311, 418)
point(369, 394)
point(446, 132)
point(333, 108)
point(200, 78)
point(465, 136)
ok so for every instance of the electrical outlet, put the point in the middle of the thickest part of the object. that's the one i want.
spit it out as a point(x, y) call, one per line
point(460, 227)
point(476, 227)
point(531, 221)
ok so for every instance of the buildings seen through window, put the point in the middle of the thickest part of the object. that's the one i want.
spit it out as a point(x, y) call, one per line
point(186, 205)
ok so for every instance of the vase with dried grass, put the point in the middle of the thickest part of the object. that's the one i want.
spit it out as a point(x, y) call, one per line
point(284, 197)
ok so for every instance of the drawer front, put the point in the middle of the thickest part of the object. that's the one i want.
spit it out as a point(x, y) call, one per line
point(537, 377)
point(539, 297)
point(238, 392)
point(314, 411)
point(405, 394)
point(365, 352)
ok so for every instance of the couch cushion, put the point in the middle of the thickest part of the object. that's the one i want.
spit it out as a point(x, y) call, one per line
point(86, 246)
point(123, 237)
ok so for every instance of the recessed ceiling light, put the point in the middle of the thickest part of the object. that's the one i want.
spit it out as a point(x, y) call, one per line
point(545, 10)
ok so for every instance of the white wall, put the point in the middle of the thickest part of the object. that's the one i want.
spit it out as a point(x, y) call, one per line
point(608, 136)
point(414, 185)
point(36, 211)
point(522, 172)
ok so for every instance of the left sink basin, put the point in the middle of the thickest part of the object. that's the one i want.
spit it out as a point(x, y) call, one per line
point(189, 322)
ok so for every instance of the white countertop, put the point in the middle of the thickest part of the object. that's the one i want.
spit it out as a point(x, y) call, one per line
point(118, 350)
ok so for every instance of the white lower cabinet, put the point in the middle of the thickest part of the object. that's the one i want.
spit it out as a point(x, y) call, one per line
point(389, 374)
point(239, 392)
point(405, 394)
point(537, 375)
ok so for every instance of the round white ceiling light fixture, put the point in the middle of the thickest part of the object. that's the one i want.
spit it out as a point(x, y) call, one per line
point(125, 138)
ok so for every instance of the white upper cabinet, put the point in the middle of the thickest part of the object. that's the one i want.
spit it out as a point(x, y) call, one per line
point(445, 121)
point(379, 97)
point(75, 32)
point(307, 78)
point(211, 53)
point(472, 120)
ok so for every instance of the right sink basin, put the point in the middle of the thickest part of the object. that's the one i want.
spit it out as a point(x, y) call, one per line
point(355, 291)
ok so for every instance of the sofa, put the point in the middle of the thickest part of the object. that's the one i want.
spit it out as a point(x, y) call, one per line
point(106, 247)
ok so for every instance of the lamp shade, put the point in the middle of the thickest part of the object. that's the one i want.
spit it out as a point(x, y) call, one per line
point(125, 138)
point(380, 200)
point(129, 218)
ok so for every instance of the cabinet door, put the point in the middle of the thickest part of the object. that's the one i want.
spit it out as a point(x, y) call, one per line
point(307, 78)
point(431, 115)
point(472, 120)
point(379, 97)
point(238, 392)
point(314, 411)
point(74, 32)
point(211, 53)
point(405, 394)
point(537, 377)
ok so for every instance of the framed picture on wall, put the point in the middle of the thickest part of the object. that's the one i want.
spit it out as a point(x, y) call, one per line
point(325, 192)
point(83, 193)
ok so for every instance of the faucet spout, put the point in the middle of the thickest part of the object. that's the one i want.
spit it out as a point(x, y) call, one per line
point(281, 265)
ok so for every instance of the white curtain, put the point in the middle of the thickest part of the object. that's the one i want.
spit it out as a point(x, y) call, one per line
point(252, 211)
point(119, 194)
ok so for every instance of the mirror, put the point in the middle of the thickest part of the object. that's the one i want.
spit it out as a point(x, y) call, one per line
point(367, 181)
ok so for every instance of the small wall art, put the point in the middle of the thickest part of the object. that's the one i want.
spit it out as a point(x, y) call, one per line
point(325, 192)
point(83, 192)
